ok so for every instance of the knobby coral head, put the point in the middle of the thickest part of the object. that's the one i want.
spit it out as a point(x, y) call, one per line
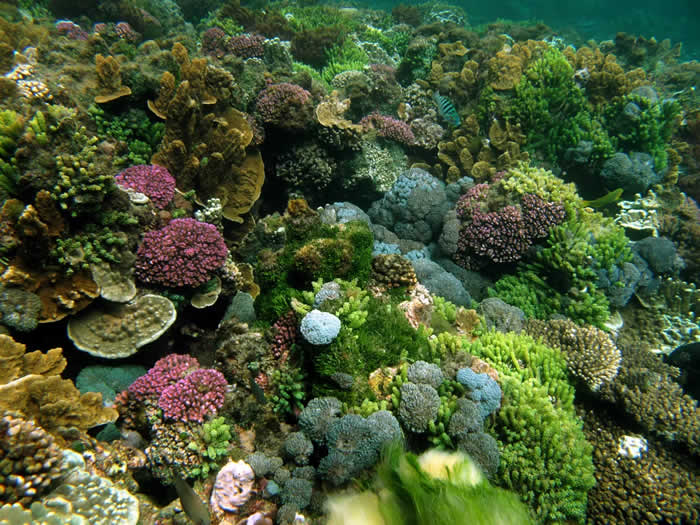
point(183, 253)
point(152, 180)
point(195, 397)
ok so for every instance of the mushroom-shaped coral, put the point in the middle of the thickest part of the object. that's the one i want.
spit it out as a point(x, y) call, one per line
point(118, 330)
point(183, 253)
point(233, 487)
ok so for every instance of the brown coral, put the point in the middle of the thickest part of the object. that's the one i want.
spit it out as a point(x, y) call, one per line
point(393, 271)
point(109, 80)
point(646, 390)
point(60, 295)
point(589, 352)
point(116, 330)
point(52, 401)
point(30, 460)
point(205, 147)
point(16, 362)
point(505, 70)
point(658, 487)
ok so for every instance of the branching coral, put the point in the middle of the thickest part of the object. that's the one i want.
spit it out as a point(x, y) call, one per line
point(589, 352)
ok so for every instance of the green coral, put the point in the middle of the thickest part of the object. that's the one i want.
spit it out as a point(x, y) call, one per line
point(639, 123)
point(283, 277)
point(345, 57)
point(525, 178)
point(81, 188)
point(289, 389)
point(551, 108)
point(544, 454)
point(141, 136)
point(11, 129)
point(93, 246)
point(213, 446)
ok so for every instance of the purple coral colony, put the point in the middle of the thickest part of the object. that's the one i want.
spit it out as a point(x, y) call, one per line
point(252, 251)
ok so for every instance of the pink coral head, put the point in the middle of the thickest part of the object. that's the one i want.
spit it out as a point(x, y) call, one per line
point(181, 254)
point(165, 372)
point(152, 180)
point(194, 397)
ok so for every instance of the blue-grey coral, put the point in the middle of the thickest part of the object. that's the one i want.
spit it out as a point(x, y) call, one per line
point(482, 389)
point(262, 464)
point(298, 447)
point(319, 413)
point(320, 328)
point(425, 373)
point(440, 282)
point(414, 207)
point(297, 492)
point(465, 419)
point(418, 406)
point(483, 449)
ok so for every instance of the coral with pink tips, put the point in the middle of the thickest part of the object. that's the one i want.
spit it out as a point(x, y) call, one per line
point(183, 253)
point(194, 397)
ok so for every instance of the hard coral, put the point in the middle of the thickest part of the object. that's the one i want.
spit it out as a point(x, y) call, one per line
point(30, 458)
point(589, 352)
point(183, 253)
point(166, 371)
point(389, 128)
point(502, 235)
point(285, 105)
point(233, 487)
point(152, 180)
point(196, 396)
point(246, 45)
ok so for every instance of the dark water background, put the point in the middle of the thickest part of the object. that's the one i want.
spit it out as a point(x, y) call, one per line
point(678, 20)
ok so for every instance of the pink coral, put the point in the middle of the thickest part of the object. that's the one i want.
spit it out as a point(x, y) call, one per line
point(285, 105)
point(194, 397)
point(246, 46)
point(126, 32)
point(501, 235)
point(71, 30)
point(286, 333)
point(165, 372)
point(389, 128)
point(183, 253)
point(152, 180)
point(214, 41)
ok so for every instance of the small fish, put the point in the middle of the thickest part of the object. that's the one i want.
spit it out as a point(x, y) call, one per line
point(191, 503)
point(447, 110)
